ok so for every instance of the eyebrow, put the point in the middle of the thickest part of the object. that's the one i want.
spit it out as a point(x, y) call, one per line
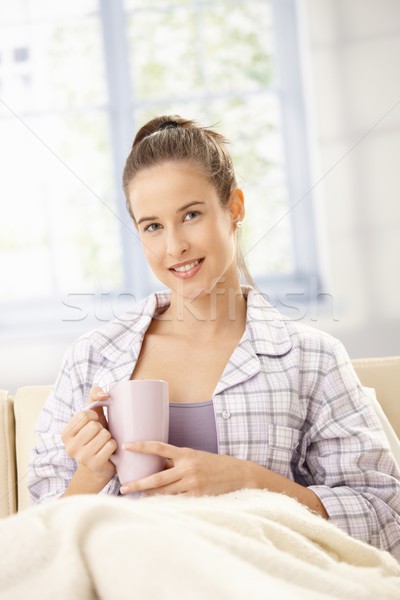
point(178, 210)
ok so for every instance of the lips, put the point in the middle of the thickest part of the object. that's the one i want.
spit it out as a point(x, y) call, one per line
point(187, 269)
point(186, 266)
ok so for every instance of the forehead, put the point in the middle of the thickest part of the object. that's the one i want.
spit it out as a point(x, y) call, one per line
point(168, 186)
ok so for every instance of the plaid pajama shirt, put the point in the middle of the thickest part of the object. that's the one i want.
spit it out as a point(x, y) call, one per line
point(288, 400)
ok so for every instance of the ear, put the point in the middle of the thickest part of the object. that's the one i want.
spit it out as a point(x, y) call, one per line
point(236, 205)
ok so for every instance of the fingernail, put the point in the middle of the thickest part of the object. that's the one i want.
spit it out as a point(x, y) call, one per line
point(101, 394)
point(124, 489)
point(128, 446)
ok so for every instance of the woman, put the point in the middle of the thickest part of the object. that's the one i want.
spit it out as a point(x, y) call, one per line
point(257, 401)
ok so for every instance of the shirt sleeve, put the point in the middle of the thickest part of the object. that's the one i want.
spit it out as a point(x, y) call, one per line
point(50, 468)
point(357, 478)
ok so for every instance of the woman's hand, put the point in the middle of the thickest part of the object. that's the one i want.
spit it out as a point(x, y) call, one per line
point(88, 441)
point(188, 471)
point(198, 473)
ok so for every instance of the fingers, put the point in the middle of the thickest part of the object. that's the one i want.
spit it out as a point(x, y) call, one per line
point(77, 422)
point(194, 472)
point(104, 453)
point(164, 482)
point(97, 451)
point(92, 430)
point(97, 393)
point(169, 463)
point(86, 436)
point(83, 417)
point(151, 447)
point(92, 447)
point(169, 481)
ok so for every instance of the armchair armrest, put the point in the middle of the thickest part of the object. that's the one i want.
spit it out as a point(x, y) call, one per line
point(28, 403)
point(8, 476)
point(383, 374)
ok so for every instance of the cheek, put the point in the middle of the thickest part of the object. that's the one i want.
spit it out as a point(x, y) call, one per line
point(220, 230)
point(153, 259)
point(225, 236)
point(150, 250)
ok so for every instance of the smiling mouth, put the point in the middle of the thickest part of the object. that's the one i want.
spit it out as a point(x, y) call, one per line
point(187, 266)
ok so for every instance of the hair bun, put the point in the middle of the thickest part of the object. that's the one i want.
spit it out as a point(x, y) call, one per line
point(168, 125)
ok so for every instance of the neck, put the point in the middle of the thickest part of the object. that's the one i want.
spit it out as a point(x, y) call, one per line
point(222, 309)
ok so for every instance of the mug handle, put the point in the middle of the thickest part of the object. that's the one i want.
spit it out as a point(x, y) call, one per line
point(95, 404)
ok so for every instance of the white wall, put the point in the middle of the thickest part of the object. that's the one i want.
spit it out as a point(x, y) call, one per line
point(352, 60)
point(352, 63)
point(30, 362)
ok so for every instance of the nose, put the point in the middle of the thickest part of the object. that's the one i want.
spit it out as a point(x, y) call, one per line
point(176, 243)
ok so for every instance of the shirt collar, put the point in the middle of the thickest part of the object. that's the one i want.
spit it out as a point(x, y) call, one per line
point(265, 327)
point(125, 334)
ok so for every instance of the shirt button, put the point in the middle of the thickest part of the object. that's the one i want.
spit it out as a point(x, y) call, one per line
point(226, 414)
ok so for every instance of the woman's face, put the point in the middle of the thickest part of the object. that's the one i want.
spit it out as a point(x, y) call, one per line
point(188, 238)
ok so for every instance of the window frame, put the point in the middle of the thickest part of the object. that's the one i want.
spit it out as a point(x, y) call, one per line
point(297, 164)
point(35, 321)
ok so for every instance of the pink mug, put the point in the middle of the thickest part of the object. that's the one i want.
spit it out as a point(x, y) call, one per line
point(137, 409)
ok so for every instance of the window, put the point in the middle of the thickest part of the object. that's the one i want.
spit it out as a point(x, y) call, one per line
point(78, 79)
point(21, 54)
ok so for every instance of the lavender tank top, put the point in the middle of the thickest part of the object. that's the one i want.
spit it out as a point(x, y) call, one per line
point(192, 425)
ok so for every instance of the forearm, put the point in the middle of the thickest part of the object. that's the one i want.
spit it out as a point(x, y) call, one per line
point(85, 482)
point(261, 478)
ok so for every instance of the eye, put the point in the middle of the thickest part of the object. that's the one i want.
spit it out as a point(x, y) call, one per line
point(152, 227)
point(192, 215)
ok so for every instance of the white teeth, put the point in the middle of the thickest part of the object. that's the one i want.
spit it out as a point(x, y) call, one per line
point(187, 267)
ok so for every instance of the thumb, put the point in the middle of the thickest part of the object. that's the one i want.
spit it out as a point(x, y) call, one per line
point(97, 393)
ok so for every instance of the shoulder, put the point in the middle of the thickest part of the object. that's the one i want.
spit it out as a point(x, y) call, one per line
point(300, 349)
point(320, 355)
point(306, 337)
point(309, 359)
point(275, 334)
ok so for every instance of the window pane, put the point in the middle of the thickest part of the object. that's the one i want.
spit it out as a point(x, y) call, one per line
point(164, 52)
point(236, 40)
point(200, 48)
point(252, 124)
point(57, 233)
point(63, 62)
point(215, 63)
point(20, 10)
point(60, 232)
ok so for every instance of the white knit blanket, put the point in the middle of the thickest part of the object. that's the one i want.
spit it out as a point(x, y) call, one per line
point(247, 544)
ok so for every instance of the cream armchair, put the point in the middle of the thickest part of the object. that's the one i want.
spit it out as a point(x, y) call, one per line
point(17, 422)
point(18, 416)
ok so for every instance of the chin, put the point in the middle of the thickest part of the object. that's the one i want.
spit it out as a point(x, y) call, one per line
point(190, 292)
point(186, 289)
point(192, 289)
point(196, 290)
